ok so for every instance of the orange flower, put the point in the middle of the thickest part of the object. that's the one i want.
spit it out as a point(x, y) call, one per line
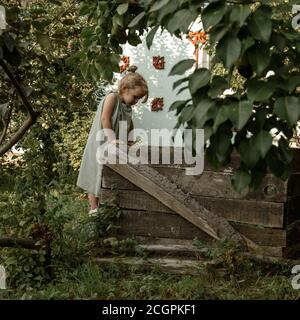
point(125, 63)
point(197, 38)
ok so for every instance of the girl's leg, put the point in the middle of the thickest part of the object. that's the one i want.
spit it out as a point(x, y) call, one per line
point(93, 201)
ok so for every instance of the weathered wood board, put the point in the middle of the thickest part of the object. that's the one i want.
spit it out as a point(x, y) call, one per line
point(265, 214)
point(208, 184)
point(261, 216)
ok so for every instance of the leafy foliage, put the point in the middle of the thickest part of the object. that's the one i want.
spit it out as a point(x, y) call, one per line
point(60, 53)
point(251, 40)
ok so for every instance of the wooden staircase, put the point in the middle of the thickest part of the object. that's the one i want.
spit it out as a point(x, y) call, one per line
point(165, 255)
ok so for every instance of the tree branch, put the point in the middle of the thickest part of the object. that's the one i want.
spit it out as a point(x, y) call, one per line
point(18, 88)
point(11, 242)
point(32, 114)
point(6, 122)
point(18, 135)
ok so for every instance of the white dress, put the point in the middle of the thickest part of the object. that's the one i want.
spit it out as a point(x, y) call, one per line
point(90, 172)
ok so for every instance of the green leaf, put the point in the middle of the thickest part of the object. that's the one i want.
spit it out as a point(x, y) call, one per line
point(27, 91)
point(187, 113)
point(84, 68)
point(285, 151)
point(177, 104)
point(208, 131)
point(240, 180)
point(3, 109)
point(40, 25)
point(262, 142)
point(248, 153)
point(228, 50)
point(158, 5)
point(218, 32)
point(257, 175)
point(118, 20)
point(136, 20)
point(217, 87)
point(199, 79)
point(240, 112)
point(122, 8)
point(179, 82)
point(150, 36)
point(279, 41)
point(220, 145)
point(223, 115)
point(201, 110)
point(259, 58)
point(134, 39)
point(43, 40)
point(181, 67)
point(94, 72)
point(9, 41)
point(181, 20)
point(168, 9)
point(240, 13)
point(292, 82)
point(260, 90)
point(213, 14)
point(288, 109)
point(260, 26)
point(181, 90)
point(279, 168)
point(85, 9)
point(246, 44)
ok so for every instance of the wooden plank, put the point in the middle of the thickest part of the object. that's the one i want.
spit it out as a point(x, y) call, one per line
point(234, 163)
point(274, 251)
point(164, 225)
point(208, 184)
point(266, 214)
point(171, 196)
point(168, 265)
point(158, 186)
point(157, 240)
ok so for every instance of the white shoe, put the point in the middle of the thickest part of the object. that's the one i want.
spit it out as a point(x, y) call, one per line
point(93, 212)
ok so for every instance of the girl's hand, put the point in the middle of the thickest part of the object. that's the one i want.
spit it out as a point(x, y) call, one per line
point(116, 141)
point(130, 143)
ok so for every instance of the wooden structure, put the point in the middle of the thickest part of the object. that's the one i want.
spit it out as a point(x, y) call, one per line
point(162, 207)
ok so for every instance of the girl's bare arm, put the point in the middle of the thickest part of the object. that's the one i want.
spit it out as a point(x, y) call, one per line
point(107, 111)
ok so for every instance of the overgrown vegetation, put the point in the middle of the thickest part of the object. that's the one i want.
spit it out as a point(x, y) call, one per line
point(75, 276)
point(49, 51)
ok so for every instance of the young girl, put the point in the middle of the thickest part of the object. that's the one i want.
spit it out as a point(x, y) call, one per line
point(115, 107)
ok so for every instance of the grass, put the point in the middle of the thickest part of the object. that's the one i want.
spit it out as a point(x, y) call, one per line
point(89, 281)
point(242, 279)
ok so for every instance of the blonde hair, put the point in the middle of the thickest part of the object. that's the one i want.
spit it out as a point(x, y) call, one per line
point(134, 79)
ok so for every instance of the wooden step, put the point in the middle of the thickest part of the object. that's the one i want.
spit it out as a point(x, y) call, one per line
point(168, 247)
point(172, 250)
point(168, 265)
